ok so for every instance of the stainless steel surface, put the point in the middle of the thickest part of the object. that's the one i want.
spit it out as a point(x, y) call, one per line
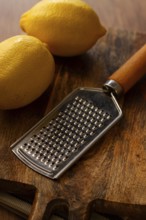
point(114, 87)
point(67, 132)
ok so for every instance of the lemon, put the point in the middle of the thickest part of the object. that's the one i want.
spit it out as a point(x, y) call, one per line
point(26, 70)
point(69, 27)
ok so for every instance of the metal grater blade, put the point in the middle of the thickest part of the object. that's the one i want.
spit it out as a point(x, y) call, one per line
point(68, 131)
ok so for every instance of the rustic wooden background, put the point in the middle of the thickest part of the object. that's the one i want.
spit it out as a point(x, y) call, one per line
point(126, 14)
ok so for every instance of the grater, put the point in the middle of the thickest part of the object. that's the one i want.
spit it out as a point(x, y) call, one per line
point(59, 139)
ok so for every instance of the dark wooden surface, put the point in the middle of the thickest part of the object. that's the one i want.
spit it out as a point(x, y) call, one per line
point(111, 177)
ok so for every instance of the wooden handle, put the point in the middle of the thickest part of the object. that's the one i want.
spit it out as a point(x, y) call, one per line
point(132, 70)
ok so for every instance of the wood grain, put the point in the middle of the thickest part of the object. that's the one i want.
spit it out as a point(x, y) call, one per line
point(131, 71)
point(7, 215)
point(110, 178)
point(128, 15)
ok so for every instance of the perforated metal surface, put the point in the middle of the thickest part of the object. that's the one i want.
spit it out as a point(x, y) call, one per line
point(57, 142)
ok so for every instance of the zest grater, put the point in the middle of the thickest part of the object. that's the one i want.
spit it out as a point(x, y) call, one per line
point(83, 117)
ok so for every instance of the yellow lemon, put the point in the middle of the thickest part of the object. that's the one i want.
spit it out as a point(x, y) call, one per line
point(26, 70)
point(69, 27)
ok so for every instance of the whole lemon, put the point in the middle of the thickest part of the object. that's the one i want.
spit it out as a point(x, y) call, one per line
point(26, 70)
point(69, 27)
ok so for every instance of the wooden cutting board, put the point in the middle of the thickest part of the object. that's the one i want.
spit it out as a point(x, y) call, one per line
point(110, 177)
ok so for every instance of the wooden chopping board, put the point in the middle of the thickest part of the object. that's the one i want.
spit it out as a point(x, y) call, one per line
point(110, 177)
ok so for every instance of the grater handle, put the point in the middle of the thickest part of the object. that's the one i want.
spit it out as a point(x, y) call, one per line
point(129, 73)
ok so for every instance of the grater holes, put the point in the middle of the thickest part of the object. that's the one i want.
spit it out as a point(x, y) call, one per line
point(108, 116)
point(67, 133)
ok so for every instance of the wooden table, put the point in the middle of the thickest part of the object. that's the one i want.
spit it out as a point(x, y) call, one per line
point(123, 154)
